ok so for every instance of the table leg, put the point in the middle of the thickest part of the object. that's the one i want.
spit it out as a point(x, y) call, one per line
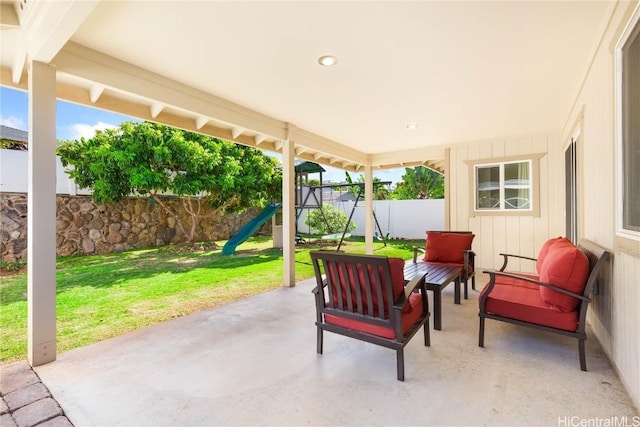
point(456, 294)
point(437, 309)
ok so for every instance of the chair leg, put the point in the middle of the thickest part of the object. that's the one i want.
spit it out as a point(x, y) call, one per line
point(481, 333)
point(583, 358)
point(466, 288)
point(400, 363)
point(427, 334)
point(473, 282)
point(319, 340)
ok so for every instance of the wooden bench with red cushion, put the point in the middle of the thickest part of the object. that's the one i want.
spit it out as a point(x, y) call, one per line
point(554, 300)
point(364, 297)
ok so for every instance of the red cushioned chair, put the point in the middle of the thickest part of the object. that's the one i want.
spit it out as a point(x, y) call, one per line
point(451, 248)
point(364, 297)
point(554, 300)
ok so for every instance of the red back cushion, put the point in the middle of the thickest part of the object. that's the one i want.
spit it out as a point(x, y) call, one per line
point(447, 247)
point(396, 268)
point(397, 276)
point(566, 267)
point(544, 250)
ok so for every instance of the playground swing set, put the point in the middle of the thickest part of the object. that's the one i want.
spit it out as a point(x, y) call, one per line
point(316, 203)
point(311, 197)
point(307, 197)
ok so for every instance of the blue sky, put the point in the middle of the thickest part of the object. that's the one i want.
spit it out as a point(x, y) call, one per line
point(76, 121)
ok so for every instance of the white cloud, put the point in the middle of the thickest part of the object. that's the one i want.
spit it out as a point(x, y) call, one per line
point(13, 122)
point(80, 130)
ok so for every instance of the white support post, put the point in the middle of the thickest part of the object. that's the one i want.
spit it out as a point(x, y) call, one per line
point(288, 213)
point(447, 189)
point(368, 218)
point(41, 242)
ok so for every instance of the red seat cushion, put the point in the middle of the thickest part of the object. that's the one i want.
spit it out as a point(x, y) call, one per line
point(447, 247)
point(410, 315)
point(522, 301)
point(566, 267)
point(522, 283)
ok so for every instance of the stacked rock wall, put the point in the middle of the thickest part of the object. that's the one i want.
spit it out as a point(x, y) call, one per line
point(84, 228)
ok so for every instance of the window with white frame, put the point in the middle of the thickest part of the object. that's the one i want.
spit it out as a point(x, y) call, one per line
point(504, 186)
point(628, 106)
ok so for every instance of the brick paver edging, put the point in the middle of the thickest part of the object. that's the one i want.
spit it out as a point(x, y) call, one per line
point(25, 401)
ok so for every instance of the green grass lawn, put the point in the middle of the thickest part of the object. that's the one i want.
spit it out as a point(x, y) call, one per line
point(103, 296)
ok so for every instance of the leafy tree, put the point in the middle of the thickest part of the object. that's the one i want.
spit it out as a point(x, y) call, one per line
point(328, 220)
point(148, 159)
point(420, 183)
point(7, 144)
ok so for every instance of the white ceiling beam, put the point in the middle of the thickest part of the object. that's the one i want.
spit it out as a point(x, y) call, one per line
point(301, 150)
point(278, 145)
point(109, 102)
point(45, 27)
point(237, 131)
point(201, 121)
point(6, 78)
point(412, 156)
point(259, 139)
point(17, 68)
point(155, 109)
point(95, 91)
point(320, 144)
point(115, 74)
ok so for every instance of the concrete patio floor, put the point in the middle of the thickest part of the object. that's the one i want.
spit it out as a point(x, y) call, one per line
point(253, 362)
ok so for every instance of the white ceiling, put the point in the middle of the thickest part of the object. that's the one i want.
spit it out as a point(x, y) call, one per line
point(462, 71)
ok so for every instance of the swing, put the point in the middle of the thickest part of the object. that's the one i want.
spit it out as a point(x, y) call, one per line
point(375, 233)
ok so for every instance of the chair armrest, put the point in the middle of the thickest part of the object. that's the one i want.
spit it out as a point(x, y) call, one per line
point(415, 253)
point(469, 260)
point(316, 290)
point(417, 282)
point(507, 256)
point(492, 275)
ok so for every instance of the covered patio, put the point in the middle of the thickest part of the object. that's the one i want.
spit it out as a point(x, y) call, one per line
point(455, 86)
point(253, 362)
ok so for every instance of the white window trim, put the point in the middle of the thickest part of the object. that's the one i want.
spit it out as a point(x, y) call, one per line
point(535, 185)
point(502, 186)
point(620, 230)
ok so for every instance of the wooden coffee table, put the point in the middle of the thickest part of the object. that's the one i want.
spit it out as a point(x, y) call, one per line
point(438, 277)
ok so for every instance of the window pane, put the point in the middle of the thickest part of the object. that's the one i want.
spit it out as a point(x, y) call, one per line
point(631, 132)
point(488, 187)
point(517, 184)
point(516, 175)
point(517, 198)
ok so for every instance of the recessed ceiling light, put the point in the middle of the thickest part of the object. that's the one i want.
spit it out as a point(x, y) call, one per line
point(411, 126)
point(327, 60)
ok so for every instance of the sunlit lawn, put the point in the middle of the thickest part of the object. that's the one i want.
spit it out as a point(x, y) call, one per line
point(103, 296)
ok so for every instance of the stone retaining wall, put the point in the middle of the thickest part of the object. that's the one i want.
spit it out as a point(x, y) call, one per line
point(84, 228)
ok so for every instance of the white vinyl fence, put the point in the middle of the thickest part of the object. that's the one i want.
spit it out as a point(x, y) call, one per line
point(14, 176)
point(406, 219)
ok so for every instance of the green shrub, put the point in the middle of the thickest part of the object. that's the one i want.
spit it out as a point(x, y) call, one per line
point(328, 220)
